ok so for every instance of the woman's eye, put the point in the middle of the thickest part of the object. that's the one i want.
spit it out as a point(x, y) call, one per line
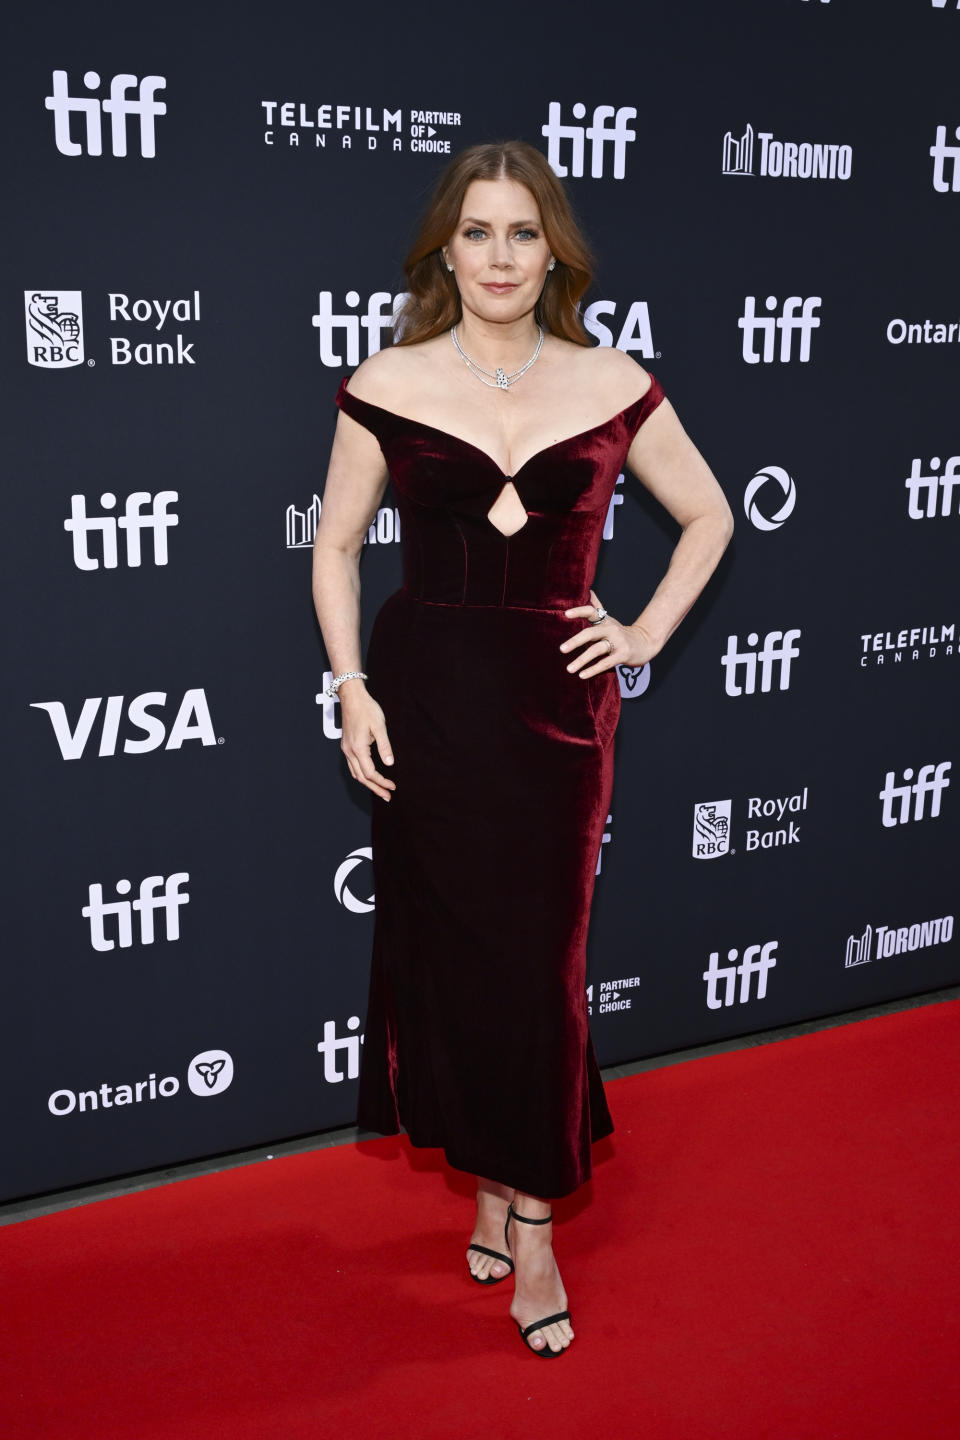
point(473, 234)
point(527, 234)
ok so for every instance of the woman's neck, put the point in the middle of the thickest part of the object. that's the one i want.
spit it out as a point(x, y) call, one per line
point(507, 343)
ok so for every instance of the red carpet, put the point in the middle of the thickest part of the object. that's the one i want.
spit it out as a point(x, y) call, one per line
point(768, 1249)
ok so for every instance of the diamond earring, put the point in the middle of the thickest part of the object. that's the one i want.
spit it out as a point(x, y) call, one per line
point(551, 265)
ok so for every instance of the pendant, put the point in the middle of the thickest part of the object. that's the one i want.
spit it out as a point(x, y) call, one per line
point(502, 380)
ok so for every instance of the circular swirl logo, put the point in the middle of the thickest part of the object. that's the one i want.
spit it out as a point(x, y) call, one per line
point(343, 892)
point(762, 487)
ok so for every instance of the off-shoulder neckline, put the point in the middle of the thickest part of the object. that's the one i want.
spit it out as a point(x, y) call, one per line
point(459, 439)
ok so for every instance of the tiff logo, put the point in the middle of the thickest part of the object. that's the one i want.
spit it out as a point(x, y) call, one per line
point(932, 780)
point(599, 133)
point(757, 960)
point(806, 322)
point(168, 900)
point(145, 107)
point(942, 153)
point(932, 483)
point(131, 522)
point(778, 650)
point(605, 839)
point(374, 321)
point(329, 1046)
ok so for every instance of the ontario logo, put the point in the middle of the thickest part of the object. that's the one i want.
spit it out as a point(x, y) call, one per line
point(54, 328)
point(209, 1073)
point(634, 680)
point(711, 829)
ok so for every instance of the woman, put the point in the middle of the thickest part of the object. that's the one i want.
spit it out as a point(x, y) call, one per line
point(493, 695)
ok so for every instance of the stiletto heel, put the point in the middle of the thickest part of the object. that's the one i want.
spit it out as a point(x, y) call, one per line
point(549, 1319)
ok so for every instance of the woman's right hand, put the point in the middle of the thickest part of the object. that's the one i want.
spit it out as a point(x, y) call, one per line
point(362, 723)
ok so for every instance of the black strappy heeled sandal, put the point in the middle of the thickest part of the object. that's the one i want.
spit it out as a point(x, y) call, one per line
point(549, 1319)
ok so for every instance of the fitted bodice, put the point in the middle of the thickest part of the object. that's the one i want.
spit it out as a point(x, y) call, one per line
point(454, 554)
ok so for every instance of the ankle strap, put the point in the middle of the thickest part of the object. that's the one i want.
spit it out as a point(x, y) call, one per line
point(526, 1218)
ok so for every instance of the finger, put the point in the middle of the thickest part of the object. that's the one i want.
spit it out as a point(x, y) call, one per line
point(370, 778)
point(383, 745)
point(591, 662)
point(377, 789)
point(585, 637)
point(579, 610)
point(607, 663)
point(367, 768)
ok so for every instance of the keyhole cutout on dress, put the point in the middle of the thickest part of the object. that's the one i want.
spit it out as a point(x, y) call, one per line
point(507, 513)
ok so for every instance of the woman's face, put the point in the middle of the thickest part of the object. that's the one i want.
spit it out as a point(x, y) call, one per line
point(498, 251)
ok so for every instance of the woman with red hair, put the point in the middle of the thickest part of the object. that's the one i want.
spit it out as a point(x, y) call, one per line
point(493, 695)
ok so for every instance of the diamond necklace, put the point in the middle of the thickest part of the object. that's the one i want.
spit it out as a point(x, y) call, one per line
point(498, 379)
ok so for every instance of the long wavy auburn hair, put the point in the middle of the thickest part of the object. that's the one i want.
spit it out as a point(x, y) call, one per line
point(434, 305)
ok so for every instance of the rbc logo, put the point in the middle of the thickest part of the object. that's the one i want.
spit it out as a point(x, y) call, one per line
point(599, 133)
point(944, 155)
point(932, 780)
point(374, 321)
point(132, 521)
point(54, 328)
point(711, 829)
point(778, 651)
point(757, 960)
point(806, 322)
point(146, 107)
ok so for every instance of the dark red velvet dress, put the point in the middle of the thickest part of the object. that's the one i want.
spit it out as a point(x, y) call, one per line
point(477, 1035)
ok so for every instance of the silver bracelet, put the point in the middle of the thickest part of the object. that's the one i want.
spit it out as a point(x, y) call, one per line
point(334, 685)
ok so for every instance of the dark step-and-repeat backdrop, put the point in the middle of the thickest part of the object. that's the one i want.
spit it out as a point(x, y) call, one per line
point(207, 214)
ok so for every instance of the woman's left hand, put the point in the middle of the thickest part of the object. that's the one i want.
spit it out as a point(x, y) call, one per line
point(628, 644)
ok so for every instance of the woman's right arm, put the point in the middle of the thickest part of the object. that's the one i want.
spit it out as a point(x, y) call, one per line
point(356, 480)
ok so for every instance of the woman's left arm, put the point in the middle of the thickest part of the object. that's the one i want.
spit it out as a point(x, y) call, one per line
point(665, 460)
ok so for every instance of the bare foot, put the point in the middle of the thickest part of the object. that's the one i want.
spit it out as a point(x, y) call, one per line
point(539, 1290)
point(492, 1202)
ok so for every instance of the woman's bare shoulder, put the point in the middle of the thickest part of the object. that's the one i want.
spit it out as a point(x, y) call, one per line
point(622, 378)
point(389, 377)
